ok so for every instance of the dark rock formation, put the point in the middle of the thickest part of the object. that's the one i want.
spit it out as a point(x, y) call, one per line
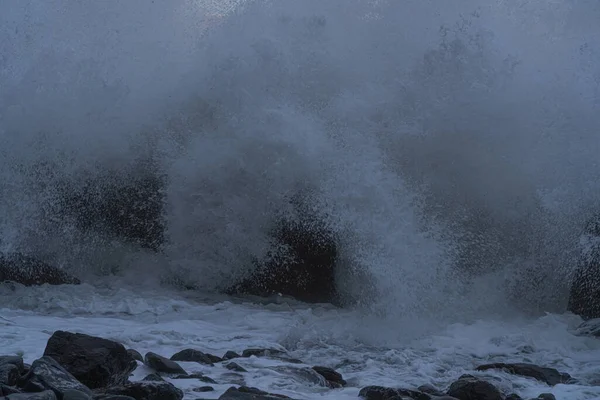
point(29, 271)
point(584, 299)
point(190, 355)
point(94, 361)
point(470, 388)
point(232, 366)
point(546, 396)
point(45, 395)
point(153, 378)
point(163, 364)
point(47, 374)
point(303, 268)
point(589, 328)
point(129, 207)
point(230, 355)
point(203, 389)
point(111, 397)
point(147, 391)
point(249, 393)
point(549, 376)
point(136, 355)
point(198, 376)
point(334, 378)
point(385, 393)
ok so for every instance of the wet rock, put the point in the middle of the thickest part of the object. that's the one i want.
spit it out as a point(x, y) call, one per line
point(203, 389)
point(584, 297)
point(232, 366)
point(75, 395)
point(9, 374)
point(470, 388)
point(147, 391)
point(513, 396)
point(153, 378)
point(385, 393)
point(94, 361)
point(545, 396)
point(136, 355)
point(163, 364)
point(6, 390)
point(589, 328)
point(111, 397)
point(29, 271)
point(249, 393)
point(230, 355)
point(302, 375)
point(13, 360)
point(429, 389)
point(128, 207)
point(47, 374)
point(45, 395)
point(303, 267)
point(190, 355)
point(198, 376)
point(549, 376)
point(334, 378)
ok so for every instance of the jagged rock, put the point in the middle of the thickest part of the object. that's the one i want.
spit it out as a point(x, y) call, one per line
point(47, 374)
point(154, 378)
point(136, 355)
point(589, 328)
point(584, 298)
point(190, 355)
point(513, 396)
point(302, 375)
point(232, 366)
point(549, 376)
point(203, 389)
point(94, 361)
point(334, 378)
point(546, 396)
point(196, 376)
point(6, 390)
point(9, 374)
point(45, 395)
point(471, 388)
point(249, 393)
point(128, 207)
point(112, 397)
point(147, 391)
point(385, 393)
point(230, 355)
point(13, 360)
point(429, 389)
point(163, 364)
point(75, 395)
point(29, 271)
point(303, 266)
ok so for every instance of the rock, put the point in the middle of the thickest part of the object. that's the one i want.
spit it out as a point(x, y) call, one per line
point(203, 389)
point(147, 391)
point(45, 395)
point(136, 355)
point(549, 376)
point(127, 206)
point(470, 388)
point(6, 390)
point(29, 271)
point(584, 297)
point(75, 395)
point(589, 328)
point(9, 374)
point(385, 393)
point(302, 266)
point(163, 364)
point(111, 397)
point(429, 389)
point(47, 374)
point(513, 396)
point(230, 355)
point(546, 396)
point(94, 361)
point(196, 376)
point(333, 377)
point(235, 367)
point(303, 375)
point(13, 360)
point(190, 355)
point(249, 393)
point(154, 378)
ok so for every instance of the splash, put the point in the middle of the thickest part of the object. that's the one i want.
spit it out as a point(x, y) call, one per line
point(453, 149)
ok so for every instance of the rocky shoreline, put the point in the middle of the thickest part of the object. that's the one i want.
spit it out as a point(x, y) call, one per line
point(77, 366)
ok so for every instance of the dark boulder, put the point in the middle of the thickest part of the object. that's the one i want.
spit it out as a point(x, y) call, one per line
point(249, 393)
point(47, 374)
point(233, 366)
point(549, 376)
point(126, 206)
point(94, 361)
point(163, 364)
point(9, 374)
point(45, 395)
point(334, 378)
point(584, 297)
point(203, 389)
point(303, 266)
point(136, 355)
point(470, 388)
point(112, 397)
point(7, 390)
point(386, 393)
point(29, 271)
point(230, 355)
point(147, 391)
point(190, 355)
point(196, 375)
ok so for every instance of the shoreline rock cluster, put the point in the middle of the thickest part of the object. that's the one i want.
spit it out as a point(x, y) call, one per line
point(77, 366)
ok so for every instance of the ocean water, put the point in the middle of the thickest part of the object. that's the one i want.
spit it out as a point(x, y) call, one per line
point(452, 148)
